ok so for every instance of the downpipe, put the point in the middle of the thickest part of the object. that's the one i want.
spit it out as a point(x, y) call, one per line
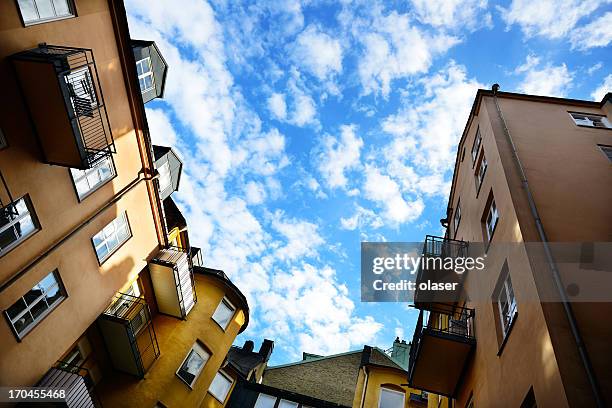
point(567, 307)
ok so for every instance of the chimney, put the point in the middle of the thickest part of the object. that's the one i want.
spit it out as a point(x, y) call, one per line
point(266, 349)
point(401, 352)
point(248, 346)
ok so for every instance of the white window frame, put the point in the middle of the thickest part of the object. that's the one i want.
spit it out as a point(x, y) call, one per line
point(202, 352)
point(384, 389)
point(263, 399)
point(457, 217)
point(149, 72)
point(225, 301)
point(587, 120)
point(119, 224)
point(40, 20)
point(221, 374)
point(506, 294)
point(3, 142)
point(25, 212)
point(491, 219)
point(482, 170)
point(476, 145)
point(42, 298)
point(78, 175)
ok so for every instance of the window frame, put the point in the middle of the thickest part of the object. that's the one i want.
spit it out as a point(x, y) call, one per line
point(457, 220)
point(506, 289)
point(383, 388)
point(69, 3)
point(226, 376)
point(119, 245)
point(32, 213)
point(231, 306)
point(146, 74)
point(96, 187)
point(38, 319)
point(204, 349)
point(479, 173)
point(275, 398)
point(491, 231)
point(475, 146)
point(604, 120)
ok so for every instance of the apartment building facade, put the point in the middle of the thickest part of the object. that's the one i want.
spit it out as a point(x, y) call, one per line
point(100, 289)
point(531, 172)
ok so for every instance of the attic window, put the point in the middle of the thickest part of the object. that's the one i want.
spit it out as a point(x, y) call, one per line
point(145, 74)
point(591, 120)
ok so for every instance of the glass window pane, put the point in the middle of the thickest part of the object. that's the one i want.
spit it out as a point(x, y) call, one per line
point(33, 294)
point(61, 7)
point(265, 401)
point(53, 295)
point(38, 308)
point(16, 308)
point(223, 314)
point(193, 364)
point(8, 237)
point(23, 322)
point(287, 404)
point(28, 11)
point(391, 399)
point(45, 9)
point(220, 386)
point(48, 281)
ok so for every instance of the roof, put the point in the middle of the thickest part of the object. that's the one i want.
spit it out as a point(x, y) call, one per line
point(243, 361)
point(174, 217)
point(312, 359)
point(377, 357)
point(223, 278)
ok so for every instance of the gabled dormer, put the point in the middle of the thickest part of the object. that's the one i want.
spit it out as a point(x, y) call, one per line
point(151, 69)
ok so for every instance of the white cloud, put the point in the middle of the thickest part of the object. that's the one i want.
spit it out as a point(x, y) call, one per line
point(548, 80)
point(305, 111)
point(362, 217)
point(255, 193)
point(548, 18)
point(318, 53)
point(393, 49)
point(595, 34)
point(302, 237)
point(453, 14)
point(339, 155)
point(594, 68)
point(603, 89)
point(277, 105)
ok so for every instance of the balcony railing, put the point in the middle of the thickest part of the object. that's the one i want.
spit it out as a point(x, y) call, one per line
point(441, 345)
point(134, 352)
point(77, 383)
point(62, 90)
point(435, 251)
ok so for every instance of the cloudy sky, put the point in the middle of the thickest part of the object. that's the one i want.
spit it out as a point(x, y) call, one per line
point(308, 127)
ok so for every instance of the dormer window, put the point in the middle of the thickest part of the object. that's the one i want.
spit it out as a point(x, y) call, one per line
point(591, 120)
point(145, 74)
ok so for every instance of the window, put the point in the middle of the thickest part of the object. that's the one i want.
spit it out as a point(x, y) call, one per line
point(193, 364)
point(607, 150)
point(32, 307)
point(287, 404)
point(17, 222)
point(88, 181)
point(590, 120)
point(491, 220)
point(224, 313)
point(145, 74)
point(220, 386)
point(265, 401)
point(111, 237)
point(40, 11)
point(476, 145)
point(82, 92)
point(481, 170)
point(165, 177)
point(3, 143)
point(470, 403)
point(506, 304)
point(457, 218)
point(391, 399)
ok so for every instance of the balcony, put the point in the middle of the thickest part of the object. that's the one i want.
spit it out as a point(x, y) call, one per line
point(173, 283)
point(435, 251)
point(129, 335)
point(77, 383)
point(441, 347)
point(64, 98)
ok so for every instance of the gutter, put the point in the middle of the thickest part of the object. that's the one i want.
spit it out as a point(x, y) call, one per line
point(365, 386)
point(567, 307)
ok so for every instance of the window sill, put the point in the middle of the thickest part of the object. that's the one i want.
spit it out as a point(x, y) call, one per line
point(47, 20)
point(505, 340)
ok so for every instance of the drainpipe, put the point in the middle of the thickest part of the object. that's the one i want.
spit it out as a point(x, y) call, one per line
point(79, 227)
point(365, 386)
point(567, 307)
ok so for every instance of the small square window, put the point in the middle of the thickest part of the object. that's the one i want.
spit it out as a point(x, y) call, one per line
point(287, 404)
point(391, 398)
point(111, 237)
point(88, 181)
point(591, 120)
point(41, 11)
point(17, 222)
point(224, 313)
point(265, 401)
point(220, 386)
point(193, 364)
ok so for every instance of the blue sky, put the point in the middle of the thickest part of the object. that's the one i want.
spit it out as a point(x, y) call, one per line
point(308, 127)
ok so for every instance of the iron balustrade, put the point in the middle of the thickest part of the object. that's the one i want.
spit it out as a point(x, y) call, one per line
point(78, 79)
point(457, 325)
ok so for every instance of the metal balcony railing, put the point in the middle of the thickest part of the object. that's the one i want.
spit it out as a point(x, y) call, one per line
point(458, 325)
point(79, 83)
point(444, 247)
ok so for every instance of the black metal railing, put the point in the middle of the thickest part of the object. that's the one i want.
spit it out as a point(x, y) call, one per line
point(435, 249)
point(83, 372)
point(456, 325)
point(78, 79)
